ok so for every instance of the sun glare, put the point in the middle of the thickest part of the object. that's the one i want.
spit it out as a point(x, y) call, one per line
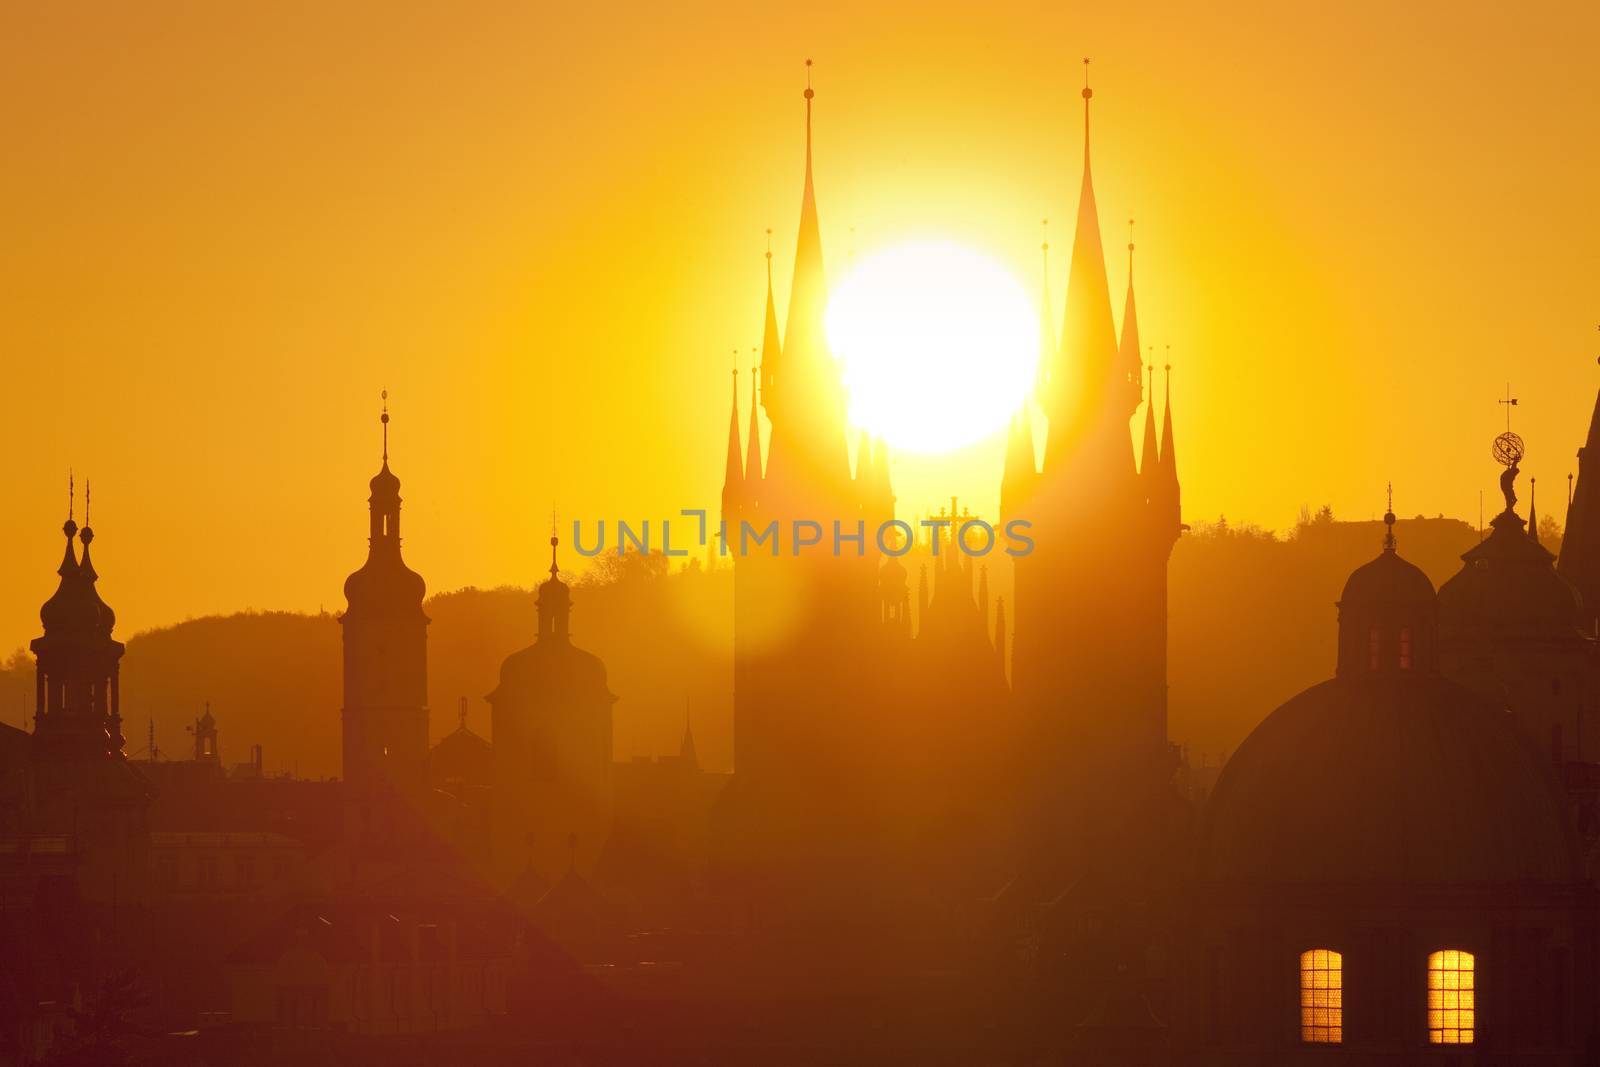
point(938, 344)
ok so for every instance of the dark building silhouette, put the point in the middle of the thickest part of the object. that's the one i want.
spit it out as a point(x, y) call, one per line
point(80, 783)
point(1099, 820)
point(552, 745)
point(1385, 864)
point(385, 654)
point(1580, 541)
point(797, 815)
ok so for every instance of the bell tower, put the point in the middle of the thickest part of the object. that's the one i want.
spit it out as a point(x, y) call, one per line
point(385, 652)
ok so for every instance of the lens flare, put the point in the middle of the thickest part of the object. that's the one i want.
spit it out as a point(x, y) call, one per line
point(938, 344)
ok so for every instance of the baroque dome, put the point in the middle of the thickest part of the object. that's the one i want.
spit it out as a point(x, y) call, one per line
point(1386, 780)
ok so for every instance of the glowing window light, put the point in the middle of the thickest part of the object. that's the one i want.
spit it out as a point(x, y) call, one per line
point(1321, 996)
point(1452, 997)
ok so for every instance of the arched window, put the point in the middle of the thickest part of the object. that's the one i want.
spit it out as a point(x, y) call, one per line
point(1405, 648)
point(1321, 996)
point(1452, 997)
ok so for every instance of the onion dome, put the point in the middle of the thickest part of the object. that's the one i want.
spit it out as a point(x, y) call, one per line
point(54, 613)
point(1390, 779)
point(384, 483)
point(385, 585)
point(95, 614)
point(555, 601)
point(75, 608)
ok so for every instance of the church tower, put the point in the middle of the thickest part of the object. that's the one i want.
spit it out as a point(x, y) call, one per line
point(83, 784)
point(1089, 651)
point(385, 653)
point(78, 693)
point(793, 825)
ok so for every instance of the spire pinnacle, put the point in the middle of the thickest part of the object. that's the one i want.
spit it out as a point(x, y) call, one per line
point(554, 541)
point(86, 534)
point(1533, 510)
point(1388, 520)
point(1088, 94)
point(810, 94)
point(384, 419)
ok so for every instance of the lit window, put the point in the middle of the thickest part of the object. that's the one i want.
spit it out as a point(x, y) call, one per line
point(1374, 648)
point(1322, 996)
point(1452, 1000)
point(1405, 648)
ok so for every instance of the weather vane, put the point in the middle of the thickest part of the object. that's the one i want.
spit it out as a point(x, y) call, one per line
point(1508, 447)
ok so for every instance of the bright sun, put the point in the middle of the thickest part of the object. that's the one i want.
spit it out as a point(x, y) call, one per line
point(938, 343)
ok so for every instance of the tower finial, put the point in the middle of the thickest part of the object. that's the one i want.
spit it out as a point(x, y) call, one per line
point(384, 418)
point(1088, 94)
point(1388, 520)
point(554, 541)
point(1130, 251)
point(70, 527)
point(86, 533)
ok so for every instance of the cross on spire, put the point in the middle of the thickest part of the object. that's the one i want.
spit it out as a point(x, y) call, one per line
point(1509, 402)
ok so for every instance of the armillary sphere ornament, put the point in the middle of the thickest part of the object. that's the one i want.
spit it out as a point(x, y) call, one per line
point(1508, 449)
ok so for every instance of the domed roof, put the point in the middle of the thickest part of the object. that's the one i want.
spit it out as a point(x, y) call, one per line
point(549, 668)
point(386, 585)
point(1388, 580)
point(75, 607)
point(1386, 779)
point(1509, 584)
point(384, 483)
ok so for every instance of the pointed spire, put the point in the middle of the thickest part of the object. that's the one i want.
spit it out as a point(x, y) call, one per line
point(69, 561)
point(771, 348)
point(1388, 520)
point(1088, 340)
point(554, 541)
point(1533, 511)
point(752, 462)
point(733, 471)
point(1169, 457)
point(1129, 360)
point(385, 420)
point(86, 536)
point(807, 453)
point(1150, 454)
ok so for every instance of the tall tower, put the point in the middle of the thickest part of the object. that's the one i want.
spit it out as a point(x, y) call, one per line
point(83, 785)
point(77, 686)
point(385, 653)
point(793, 827)
point(1088, 661)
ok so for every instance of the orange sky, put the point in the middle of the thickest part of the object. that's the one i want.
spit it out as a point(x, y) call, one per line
point(224, 227)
